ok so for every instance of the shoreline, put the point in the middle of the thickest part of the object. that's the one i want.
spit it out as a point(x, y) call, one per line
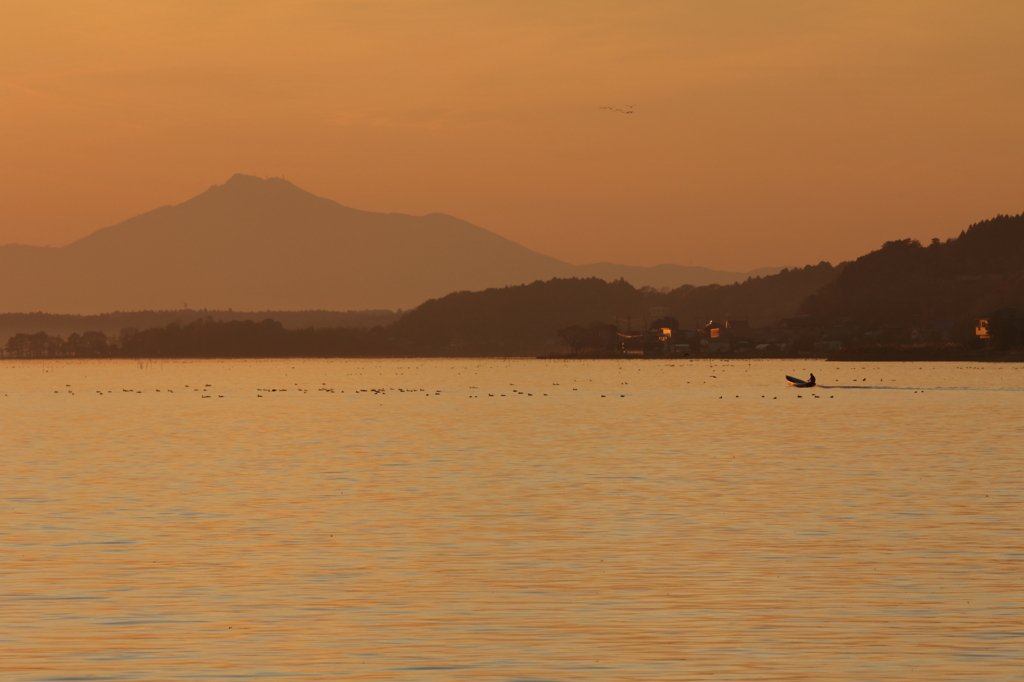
point(995, 357)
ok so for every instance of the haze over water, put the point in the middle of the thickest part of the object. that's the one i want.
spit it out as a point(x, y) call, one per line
point(510, 520)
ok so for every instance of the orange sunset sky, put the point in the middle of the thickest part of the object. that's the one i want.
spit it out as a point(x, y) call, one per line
point(764, 133)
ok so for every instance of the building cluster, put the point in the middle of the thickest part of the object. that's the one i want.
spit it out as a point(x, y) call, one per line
point(1002, 329)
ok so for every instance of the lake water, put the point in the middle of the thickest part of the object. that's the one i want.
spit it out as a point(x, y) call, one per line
point(510, 520)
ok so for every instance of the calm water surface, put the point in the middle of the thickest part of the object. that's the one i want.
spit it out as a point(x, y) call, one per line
point(515, 520)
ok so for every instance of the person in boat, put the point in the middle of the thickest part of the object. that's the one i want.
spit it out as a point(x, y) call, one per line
point(812, 381)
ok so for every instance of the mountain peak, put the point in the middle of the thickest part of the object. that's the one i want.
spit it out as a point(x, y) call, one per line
point(242, 178)
point(241, 181)
point(265, 244)
point(246, 188)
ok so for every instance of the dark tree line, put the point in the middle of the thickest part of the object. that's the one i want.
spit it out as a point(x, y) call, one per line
point(203, 339)
point(112, 323)
point(247, 339)
point(42, 345)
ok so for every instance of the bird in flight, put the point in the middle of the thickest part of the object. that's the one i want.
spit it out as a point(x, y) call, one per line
point(627, 110)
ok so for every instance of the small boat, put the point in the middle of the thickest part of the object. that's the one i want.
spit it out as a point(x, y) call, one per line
point(801, 383)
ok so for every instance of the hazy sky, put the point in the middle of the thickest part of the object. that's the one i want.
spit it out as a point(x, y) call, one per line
point(764, 133)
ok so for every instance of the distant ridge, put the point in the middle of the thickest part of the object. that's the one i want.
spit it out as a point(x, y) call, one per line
point(667, 276)
point(265, 244)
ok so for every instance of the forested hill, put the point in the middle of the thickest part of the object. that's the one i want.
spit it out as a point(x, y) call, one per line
point(518, 320)
point(907, 283)
point(759, 300)
point(526, 319)
point(508, 321)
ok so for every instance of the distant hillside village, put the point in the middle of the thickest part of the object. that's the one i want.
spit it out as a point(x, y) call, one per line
point(947, 300)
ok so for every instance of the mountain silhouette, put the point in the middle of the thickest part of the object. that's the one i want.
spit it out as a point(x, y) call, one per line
point(265, 244)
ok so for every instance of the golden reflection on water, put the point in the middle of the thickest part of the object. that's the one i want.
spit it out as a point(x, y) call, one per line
point(655, 520)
